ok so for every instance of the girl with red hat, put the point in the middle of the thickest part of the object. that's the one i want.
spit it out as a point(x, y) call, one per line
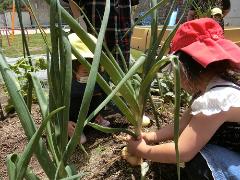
point(209, 141)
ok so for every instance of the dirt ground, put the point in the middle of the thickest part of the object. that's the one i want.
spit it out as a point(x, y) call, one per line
point(103, 160)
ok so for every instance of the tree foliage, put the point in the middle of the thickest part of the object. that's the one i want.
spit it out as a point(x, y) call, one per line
point(5, 4)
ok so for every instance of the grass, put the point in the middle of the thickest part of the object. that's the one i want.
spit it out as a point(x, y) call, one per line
point(36, 46)
point(35, 42)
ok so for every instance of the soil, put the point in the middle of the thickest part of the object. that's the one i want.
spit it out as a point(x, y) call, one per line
point(104, 150)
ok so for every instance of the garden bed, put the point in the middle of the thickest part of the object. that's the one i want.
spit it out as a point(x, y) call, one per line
point(103, 160)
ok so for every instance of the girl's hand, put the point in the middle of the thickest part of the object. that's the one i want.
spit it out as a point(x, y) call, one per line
point(149, 137)
point(136, 146)
point(71, 128)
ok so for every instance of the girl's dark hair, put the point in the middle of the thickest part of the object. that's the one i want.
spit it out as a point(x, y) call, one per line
point(222, 68)
point(226, 4)
point(75, 66)
point(190, 66)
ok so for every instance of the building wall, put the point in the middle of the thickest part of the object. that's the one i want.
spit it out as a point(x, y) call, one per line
point(6, 19)
point(42, 12)
point(2, 20)
point(233, 18)
point(25, 19)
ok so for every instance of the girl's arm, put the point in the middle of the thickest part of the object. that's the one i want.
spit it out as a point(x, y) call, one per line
point(193, 138)
point(167, 132)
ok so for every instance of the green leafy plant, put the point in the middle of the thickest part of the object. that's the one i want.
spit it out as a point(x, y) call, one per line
point(40, 64)
point(164, 85)
point(22, 71)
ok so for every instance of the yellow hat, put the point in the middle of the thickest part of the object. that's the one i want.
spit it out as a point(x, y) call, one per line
point(77, 43)
point(216, 11)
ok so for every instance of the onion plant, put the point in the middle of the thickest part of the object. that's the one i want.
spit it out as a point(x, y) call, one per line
point(134, 90)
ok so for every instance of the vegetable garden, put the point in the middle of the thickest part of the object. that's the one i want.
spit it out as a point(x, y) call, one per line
point(146, 87)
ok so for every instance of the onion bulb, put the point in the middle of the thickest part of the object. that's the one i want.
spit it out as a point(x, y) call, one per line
point(145, 121)
point(133, 160)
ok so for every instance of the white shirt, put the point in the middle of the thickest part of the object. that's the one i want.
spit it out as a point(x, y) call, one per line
point(216, 99)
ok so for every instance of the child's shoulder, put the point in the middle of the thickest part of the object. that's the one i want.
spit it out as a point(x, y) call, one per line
point(220, 96)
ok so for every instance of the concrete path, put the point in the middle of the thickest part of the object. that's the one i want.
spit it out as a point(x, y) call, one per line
point(27, 31)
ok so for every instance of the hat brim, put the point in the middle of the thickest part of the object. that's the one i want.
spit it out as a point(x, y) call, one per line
point(84, 54)
point(77, 43)
point(208, 51)
point(217, 13)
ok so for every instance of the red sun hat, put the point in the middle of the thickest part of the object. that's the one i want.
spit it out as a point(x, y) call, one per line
point(203, 39)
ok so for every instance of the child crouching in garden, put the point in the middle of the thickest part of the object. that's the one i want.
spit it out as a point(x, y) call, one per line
point(209, 139)
point(79, 80)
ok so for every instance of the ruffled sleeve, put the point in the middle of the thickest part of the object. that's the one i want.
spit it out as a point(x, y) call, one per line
point(216, 100)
